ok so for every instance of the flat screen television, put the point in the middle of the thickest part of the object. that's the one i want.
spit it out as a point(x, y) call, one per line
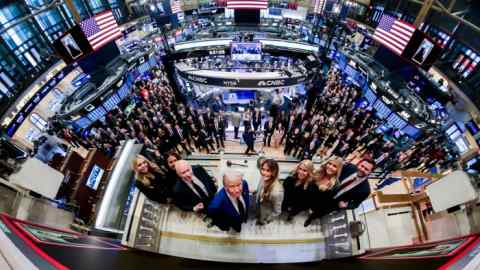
point(238, 96)
point(246, 51)
point(95, 177)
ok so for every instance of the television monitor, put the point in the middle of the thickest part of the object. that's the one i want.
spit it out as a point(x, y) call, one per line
point(72, 45)
point(472, 127)
point(246, 51)
point(93, 180)
point(238, 97)
point(421, 50)
point(382, 109)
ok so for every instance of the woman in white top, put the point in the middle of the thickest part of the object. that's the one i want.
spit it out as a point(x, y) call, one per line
point(270, 192)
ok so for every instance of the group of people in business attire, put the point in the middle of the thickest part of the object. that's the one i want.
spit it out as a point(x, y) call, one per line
point(335, 185)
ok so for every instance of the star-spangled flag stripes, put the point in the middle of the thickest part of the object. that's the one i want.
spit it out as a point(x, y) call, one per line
point(247, 4)
point(393, 33)
point(100, 29)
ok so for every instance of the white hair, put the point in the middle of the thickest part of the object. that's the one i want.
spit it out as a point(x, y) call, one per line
point(233, 174)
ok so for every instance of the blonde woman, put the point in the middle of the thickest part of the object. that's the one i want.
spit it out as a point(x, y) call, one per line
point(150, 181)
point(269, 193)
point(296, 189)
point(321, 190)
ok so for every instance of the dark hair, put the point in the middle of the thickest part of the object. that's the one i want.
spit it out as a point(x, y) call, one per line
point(272, 166)
point(368, 160)
point(172, 153)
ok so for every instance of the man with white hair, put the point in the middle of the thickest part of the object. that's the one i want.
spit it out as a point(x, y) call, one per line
point(195, 188)
point(229, 207)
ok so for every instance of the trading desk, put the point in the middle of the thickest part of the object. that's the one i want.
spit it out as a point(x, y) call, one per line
point(167, 230)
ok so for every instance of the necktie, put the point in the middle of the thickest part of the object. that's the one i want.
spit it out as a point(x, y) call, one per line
point(241, 208)
point(200, 191)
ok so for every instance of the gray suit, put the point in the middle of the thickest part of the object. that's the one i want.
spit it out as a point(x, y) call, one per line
point(236, 119)
point(271, 206)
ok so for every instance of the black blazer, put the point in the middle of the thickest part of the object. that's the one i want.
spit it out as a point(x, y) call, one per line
point(185, 199)
point(320, 202)
point(159, 189)
point(356, 195)
point(294, 197)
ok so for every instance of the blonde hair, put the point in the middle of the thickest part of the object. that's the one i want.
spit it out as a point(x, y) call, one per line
point(309, 167)
point(145, 178)
point(321, 173)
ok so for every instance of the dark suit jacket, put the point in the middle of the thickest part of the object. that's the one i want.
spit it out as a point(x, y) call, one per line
point(356, 195)
point(185, 199)
point(159, 190)
point(224, 214)
point(249, 138)
point(267, 128)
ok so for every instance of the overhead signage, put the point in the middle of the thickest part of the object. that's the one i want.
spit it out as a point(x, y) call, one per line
point(35, 99)
point(241, 83)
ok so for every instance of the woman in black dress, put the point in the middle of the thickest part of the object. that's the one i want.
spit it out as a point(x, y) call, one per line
point(149, 180)
point(321, 190)
point(295, 188)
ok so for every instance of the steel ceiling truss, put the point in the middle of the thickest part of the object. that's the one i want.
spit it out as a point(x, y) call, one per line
point(456, 15)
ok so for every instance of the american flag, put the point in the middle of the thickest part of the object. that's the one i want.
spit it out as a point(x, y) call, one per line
point(176, 6)
point(101, 29)
point(319, 6)
point(247, 4)
point(393, 33)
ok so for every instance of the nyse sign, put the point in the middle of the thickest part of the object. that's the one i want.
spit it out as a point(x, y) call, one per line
point(231, 83)
point(241, 83)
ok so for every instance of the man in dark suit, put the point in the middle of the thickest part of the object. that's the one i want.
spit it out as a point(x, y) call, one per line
point(268, 131)
point(180, 137)
point(354, 187)
point(218, 130)
point(195, 188)
point(229, 207)
point(249, 138)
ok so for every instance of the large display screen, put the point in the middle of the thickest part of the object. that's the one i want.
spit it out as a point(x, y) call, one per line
point(72, 45)
point(95, 177)
point(251, 51)
point(421, 50)
point(238, 97)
